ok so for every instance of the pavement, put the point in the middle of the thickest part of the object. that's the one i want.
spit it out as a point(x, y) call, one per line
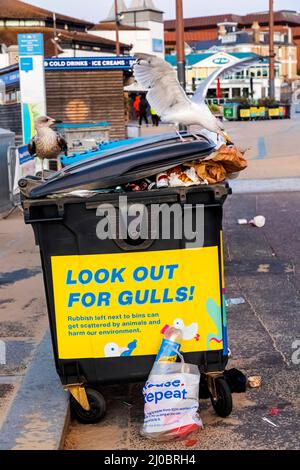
point(33, 406)
point(262, 266)
point(273, 146)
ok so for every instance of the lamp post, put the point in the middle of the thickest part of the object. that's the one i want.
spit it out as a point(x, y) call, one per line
point(180, 53)
point(271, 52)
point(117, 28)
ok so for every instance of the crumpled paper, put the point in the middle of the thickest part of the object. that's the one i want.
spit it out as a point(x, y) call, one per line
point(227, 160)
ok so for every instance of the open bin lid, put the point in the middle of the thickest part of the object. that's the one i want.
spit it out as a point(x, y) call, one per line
point(125, 164)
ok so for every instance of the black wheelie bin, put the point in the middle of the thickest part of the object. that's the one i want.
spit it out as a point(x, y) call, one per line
point(118, 267)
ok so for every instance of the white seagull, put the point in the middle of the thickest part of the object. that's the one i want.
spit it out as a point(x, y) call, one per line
point(170, 101)
point(188, 331)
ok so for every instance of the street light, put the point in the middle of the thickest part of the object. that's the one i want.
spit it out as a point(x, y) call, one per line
point(180, 53)
point(271, 52)
point(117, 28)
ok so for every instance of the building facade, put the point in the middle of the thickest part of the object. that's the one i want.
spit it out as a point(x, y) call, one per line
point(63, 35)
point(249, 83)
point(209, 28)
point(140, 25)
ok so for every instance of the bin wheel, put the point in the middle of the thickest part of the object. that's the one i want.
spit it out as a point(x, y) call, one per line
point(223, 404)
point(97, 404)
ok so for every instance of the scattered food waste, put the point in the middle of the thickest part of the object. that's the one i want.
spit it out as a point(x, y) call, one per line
point(254, 381)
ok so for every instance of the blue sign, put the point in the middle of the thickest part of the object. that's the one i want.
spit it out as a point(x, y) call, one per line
point(221, 60)
point(157, 45)
point(89, 63)
point(26, 64)
point(31, 44)
point(10, 78)
point(24, 155)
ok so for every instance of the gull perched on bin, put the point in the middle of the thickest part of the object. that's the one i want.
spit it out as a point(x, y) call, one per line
point(170, 101)
point(47, 143)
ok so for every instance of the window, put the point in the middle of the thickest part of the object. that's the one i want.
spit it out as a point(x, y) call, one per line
point(245, 92)
point(258, 73)
point(236, 92)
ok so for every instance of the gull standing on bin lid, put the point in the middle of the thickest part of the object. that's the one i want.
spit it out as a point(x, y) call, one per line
point(47, 143)
point(170, 101)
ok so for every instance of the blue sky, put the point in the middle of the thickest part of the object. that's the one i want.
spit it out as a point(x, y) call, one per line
point(95, 10)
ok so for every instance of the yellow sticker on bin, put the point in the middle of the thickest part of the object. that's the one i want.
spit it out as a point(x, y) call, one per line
point(118, 305)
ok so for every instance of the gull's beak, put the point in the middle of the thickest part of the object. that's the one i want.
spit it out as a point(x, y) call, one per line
point(227, 138)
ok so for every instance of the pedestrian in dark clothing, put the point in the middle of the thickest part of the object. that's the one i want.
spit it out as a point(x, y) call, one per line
point(144, 107)
point(155, 117)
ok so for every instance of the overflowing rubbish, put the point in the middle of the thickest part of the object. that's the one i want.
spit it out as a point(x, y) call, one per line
point(258, 221)
point(270, 422)
point(142, 164)
point(235, 301)
point(171, 396)
point(254, 381)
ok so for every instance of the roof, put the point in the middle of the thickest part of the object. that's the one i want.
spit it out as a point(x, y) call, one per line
point(170, 36)
point(111, 26)
point(8, 36)
point(192, 59)
point(204, 21)
point(139, 5)
point(282, 16)
point(15, 9)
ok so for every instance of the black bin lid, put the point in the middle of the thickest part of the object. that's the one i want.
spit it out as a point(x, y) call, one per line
point(126, 164)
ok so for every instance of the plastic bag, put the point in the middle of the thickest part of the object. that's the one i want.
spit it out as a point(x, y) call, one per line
point(171, 401)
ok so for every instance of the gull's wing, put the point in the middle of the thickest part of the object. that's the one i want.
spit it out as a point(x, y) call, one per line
point(222, 72)
point(159, 77)
point(31, 146)
point(62, 143)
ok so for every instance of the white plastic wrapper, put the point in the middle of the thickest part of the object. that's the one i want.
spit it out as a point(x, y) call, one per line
point(171, 396)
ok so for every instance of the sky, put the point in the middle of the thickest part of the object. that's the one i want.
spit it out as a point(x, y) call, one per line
point(96, 10)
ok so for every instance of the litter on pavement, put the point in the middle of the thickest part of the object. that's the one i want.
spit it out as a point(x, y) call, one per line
point(235, 301)
point(254, 381)
point(270, 422)
point(258, 221)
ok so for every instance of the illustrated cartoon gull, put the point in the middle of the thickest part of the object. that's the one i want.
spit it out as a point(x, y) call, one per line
point(114, 350)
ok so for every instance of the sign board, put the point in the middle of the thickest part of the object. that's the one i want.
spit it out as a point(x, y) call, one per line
point(157, 45)
point(111, 305)
point(89, 63)
point(25, 165)
point(32, 80)
point(221, 60)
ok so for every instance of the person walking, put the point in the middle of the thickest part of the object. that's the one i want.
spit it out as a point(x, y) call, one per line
point(154, 117)
point(136, 105)
point(144, 107)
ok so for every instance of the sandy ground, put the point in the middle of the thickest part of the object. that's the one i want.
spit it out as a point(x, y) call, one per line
point(23, 318)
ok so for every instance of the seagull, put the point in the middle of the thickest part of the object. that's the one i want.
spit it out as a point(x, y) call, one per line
point(47, 143)
point(170, 101)
point(188, 331)
point(114, 350)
